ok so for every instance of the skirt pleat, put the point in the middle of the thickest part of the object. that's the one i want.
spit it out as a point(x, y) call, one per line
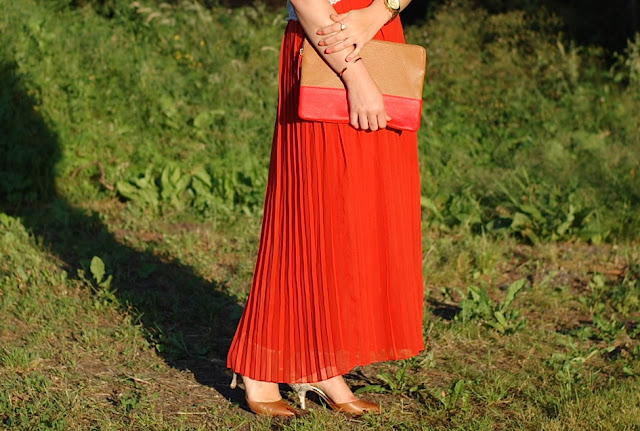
point(338, 275)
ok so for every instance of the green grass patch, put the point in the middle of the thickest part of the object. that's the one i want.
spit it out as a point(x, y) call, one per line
point(133, 160)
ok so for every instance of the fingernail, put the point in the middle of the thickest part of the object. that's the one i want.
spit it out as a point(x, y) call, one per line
point(321, 43)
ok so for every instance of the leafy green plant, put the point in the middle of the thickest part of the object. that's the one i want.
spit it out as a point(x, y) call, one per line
point(524, 158)
point(632, 60)
point(610, 328)
point(172, 189)
point(398, 383)
point(539, 211)
point(620, 296)
point(569, 369)
point(98, 271)
point(477, 304)
point(127, 400)
point(104, 295)
point(456, 394)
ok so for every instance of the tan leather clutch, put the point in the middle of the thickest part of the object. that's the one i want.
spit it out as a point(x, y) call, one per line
point(397, 68)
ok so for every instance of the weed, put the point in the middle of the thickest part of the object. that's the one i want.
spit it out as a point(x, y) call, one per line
point(98, 272)
point(632, 60)
point(477, 304)
point(127, 401)
point(104, 295)
point(612, 302)
point(457, 394)
point(173, 190)
point(399, 383)
point(570, 373)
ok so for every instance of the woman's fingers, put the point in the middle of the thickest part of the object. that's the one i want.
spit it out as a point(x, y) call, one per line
point(333, 28)
point(342, 41)
point(369, 121)
point(379, 121)
point(340, 36)
point(354, 119)
point(354, 54)
point(382, 121)
point(364, 122)
point(369, 117)
point(330, 29)
point(338, 32)
point(349, 33)
point(373, 123)
point(347, 44)
point(366, 103)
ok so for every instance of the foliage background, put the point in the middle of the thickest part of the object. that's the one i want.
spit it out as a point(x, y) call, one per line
point(525, 132)
point(134, 147)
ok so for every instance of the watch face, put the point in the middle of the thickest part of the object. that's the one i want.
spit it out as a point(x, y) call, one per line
point(394, 4)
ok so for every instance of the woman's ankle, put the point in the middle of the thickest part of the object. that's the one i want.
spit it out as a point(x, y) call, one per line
point(337, 389)
point(260, 391)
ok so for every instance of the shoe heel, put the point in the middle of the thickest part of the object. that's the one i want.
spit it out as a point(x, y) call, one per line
point(234, 381)
point(301, 389)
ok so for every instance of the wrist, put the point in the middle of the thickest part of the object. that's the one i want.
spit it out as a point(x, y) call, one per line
point(380, 14)
point(352, 73)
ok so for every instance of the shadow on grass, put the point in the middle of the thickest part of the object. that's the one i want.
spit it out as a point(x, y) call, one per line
point(191, 319)
point(443, 310)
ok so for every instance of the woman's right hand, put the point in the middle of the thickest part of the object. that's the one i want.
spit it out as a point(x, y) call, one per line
point(366, 106)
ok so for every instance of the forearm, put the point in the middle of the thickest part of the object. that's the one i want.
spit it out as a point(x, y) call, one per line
point(315, 14)
point(318, 19)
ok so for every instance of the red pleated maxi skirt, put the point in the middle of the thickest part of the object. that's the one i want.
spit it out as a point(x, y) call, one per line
point(338, 276)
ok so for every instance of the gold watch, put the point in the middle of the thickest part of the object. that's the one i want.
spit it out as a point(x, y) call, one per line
point(392, 6)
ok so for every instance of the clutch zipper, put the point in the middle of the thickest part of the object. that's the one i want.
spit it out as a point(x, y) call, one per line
point(300, 62)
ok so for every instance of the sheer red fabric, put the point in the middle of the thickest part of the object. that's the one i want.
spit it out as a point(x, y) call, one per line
point(338, 276)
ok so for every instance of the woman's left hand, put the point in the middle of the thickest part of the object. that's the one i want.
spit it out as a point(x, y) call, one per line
point(360, 26)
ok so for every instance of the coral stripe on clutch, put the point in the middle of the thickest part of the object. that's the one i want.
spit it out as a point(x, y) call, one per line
point(397, 68)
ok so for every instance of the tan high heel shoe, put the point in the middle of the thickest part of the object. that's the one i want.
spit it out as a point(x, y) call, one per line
point(358, 407)
point(279, 408)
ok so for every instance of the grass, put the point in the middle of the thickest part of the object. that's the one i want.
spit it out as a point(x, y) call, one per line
point(133, 157)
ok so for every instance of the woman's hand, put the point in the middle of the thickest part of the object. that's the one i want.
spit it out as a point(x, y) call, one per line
point(366, 106)
point(360, 26)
